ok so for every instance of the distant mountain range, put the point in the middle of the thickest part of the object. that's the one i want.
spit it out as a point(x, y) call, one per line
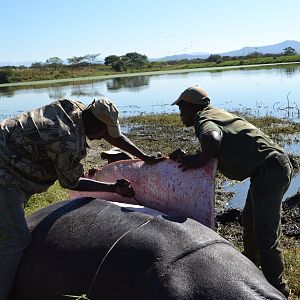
point(17, 64)
point(273, 49)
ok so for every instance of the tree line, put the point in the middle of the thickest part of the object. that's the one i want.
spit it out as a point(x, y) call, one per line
point(75, 61)
point(255, 54)
point(118, 63)
point(129, 61)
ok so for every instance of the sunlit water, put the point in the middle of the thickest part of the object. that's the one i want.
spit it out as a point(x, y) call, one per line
point(241, 190)
point(261, 91)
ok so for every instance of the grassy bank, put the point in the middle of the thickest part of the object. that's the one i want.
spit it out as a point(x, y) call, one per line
point(165, 133)
point(99, 71)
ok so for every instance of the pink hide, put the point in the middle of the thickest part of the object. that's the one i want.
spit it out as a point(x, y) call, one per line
point(163, 187)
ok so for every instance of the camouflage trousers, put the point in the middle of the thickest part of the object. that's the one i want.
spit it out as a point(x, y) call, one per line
point(14, 237)
point(261, 218)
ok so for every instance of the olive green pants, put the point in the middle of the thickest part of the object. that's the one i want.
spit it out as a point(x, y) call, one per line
point(261, 218)
point(14, 237)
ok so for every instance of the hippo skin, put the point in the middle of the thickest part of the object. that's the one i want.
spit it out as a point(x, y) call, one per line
point(162, 186)
point(95, 247)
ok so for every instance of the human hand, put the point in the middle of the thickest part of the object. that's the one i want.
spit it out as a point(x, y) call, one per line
point(91, 172)
point(124, 188)
point(193, 161)
point(177, 154)
point(153, 158)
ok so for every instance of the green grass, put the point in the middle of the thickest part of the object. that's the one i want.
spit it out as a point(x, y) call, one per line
point(292, 270)
point(272, 125)
point(157, 120)
point(268, 124)
point(54, 194)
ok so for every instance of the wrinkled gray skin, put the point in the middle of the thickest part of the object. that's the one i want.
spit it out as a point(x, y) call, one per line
point(157, 258)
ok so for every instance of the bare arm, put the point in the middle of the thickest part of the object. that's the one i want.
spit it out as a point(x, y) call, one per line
point(125, 144)
point(210, 146)
point(121, 186)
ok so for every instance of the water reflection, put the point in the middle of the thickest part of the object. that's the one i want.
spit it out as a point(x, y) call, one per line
point(289, 70)
point(216, 74)
point(256, 91)
point(59, 88)
point(7, 91)
point(56, 93)
point(81, 90)
point(133, 83)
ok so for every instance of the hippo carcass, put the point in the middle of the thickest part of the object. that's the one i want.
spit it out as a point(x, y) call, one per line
point(94, 247)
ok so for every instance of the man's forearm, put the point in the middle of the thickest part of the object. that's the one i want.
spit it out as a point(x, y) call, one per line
point(125, 144)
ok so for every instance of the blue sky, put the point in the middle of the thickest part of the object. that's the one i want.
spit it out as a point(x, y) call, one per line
point(34, 30)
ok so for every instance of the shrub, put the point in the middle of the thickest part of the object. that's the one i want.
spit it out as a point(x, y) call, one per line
point(5, 75)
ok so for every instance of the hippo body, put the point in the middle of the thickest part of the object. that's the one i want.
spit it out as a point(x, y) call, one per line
point(94, 247)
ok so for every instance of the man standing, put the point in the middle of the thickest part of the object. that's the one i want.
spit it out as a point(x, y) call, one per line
point(42, 146)
point(242, 151)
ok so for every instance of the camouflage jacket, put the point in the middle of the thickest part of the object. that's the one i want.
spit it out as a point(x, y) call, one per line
point(41, 146)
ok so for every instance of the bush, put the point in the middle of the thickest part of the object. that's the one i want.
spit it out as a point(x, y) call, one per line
point(5, 75)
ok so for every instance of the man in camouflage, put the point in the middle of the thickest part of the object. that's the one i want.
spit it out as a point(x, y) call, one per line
point(242, 151)
point(42, 146)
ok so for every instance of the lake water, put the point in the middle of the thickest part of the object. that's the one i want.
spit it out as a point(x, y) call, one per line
point(258, 91)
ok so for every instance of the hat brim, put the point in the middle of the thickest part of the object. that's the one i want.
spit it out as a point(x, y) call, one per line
point(114, 131)
point(177, 101)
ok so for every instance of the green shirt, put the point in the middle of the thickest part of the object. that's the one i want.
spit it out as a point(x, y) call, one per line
point(41, 146)
point(244, 147)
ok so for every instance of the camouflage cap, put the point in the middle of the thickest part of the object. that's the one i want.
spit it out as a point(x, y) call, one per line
point(194, 94)
point(106, 111)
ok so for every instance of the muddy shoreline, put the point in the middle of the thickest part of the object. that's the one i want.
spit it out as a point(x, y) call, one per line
point(228, 223)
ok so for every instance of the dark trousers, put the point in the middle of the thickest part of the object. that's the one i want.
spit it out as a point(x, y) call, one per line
point(14, 237)
point(261, 218)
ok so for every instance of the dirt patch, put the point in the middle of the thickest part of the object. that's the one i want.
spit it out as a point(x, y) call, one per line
point(291, 216)
point(228, 222)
